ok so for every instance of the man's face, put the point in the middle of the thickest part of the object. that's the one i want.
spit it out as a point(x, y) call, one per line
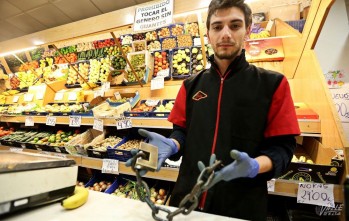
point(227, 33)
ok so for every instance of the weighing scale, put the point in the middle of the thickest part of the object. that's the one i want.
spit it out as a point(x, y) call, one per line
point(29, 179)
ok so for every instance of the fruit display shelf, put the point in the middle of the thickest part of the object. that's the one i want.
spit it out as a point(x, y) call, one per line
point(309, 127)
point(281, 187)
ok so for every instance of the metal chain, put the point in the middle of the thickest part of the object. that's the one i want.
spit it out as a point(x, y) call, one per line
point(188, 203)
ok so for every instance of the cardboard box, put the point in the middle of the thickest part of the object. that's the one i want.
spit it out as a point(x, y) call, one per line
point(266, 49)
point(303, 111)
point(287, 12)
point(321, 171)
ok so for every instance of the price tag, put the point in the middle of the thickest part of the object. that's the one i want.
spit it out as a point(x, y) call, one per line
point(74, 121)
point(316, 194)
point(72, 96)
point(110, 166)
point(14, 149)
point(98, 124)
point(28, 97)
point(106, 86)
point(123, 123)
point(39, 96)
point(117, 95)
point(29, 121)
point(163, 73)
point(15, 99)
point(98, 93)
point(51, 121)
point(271, 185)
point(58, 96)
point(157, 83)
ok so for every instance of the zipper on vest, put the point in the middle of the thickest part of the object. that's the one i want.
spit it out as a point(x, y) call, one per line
point(204, 195)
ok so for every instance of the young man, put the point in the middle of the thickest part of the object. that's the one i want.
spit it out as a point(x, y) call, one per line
point(236, 112)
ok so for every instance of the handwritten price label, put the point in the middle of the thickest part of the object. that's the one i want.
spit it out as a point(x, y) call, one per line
point(29, 121)
point(271, 185)
point(98, 124)
point(51, 121)
point(74, 121)
point(39, 96)
point(28, 97)
point(123, 123)
point(14, 149)
point(110, 166)
point(58, 96)
point(157, 83)
point(315, 194)
point(72, 96)
point(15, 99)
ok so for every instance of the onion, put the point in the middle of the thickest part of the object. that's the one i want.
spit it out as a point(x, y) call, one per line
point(162, 192)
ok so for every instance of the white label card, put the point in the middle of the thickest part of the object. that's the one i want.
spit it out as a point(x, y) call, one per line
point(117, 95)
point(106, 86)
point(316, 194)
point(14, 149)
point(39, 96)
point(72, 96)
point(28, 97)
point(123, 123)
point(29, 121)
point(110, 166)
point(15, 99)
point(271, 185)
point(51, 121)
point(59, 96)
point(74, 121)
point(98, 93)
point(163, 73)
point(157, 83)
point(98, 124)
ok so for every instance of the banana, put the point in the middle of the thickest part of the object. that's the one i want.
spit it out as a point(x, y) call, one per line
point(76, 200)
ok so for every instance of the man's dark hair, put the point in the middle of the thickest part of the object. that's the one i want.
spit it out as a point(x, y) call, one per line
point(223, 4)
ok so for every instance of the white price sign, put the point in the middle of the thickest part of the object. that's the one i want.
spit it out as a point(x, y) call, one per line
point(316, 194)
point(51, 121)
point(39, 96)
point(58, 96)
point(157, 83)
point(271, 185)
point(106, 86)
point(110, 166)
point(29, 121)
point(98, 93)
point(15, 99)
point(74, 121)
point(14, 149)
point(98, 124)
point(72, 96)
point(28, 97)
point(123, 123)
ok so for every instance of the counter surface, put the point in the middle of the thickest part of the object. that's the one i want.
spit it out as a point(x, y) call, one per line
point(102, 206)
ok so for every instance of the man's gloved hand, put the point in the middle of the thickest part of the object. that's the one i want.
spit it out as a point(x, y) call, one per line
point(166, 147)
point(243, 166)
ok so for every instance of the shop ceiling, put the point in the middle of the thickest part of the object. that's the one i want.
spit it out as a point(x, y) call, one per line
point(22, 17)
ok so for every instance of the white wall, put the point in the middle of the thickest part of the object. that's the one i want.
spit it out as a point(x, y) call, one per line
point(332, 49)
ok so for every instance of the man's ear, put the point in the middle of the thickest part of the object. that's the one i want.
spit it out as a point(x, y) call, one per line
point(208, 37)
point(248, 32)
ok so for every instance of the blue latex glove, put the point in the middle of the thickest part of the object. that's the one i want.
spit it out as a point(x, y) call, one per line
point(166, 147)
point(243, 166)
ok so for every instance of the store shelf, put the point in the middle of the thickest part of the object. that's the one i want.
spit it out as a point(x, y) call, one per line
point(169, 174)
point(312, 127)
point(282, 187)
point(64, 120)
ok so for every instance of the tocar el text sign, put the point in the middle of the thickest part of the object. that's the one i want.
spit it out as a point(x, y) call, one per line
point(153, 16)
